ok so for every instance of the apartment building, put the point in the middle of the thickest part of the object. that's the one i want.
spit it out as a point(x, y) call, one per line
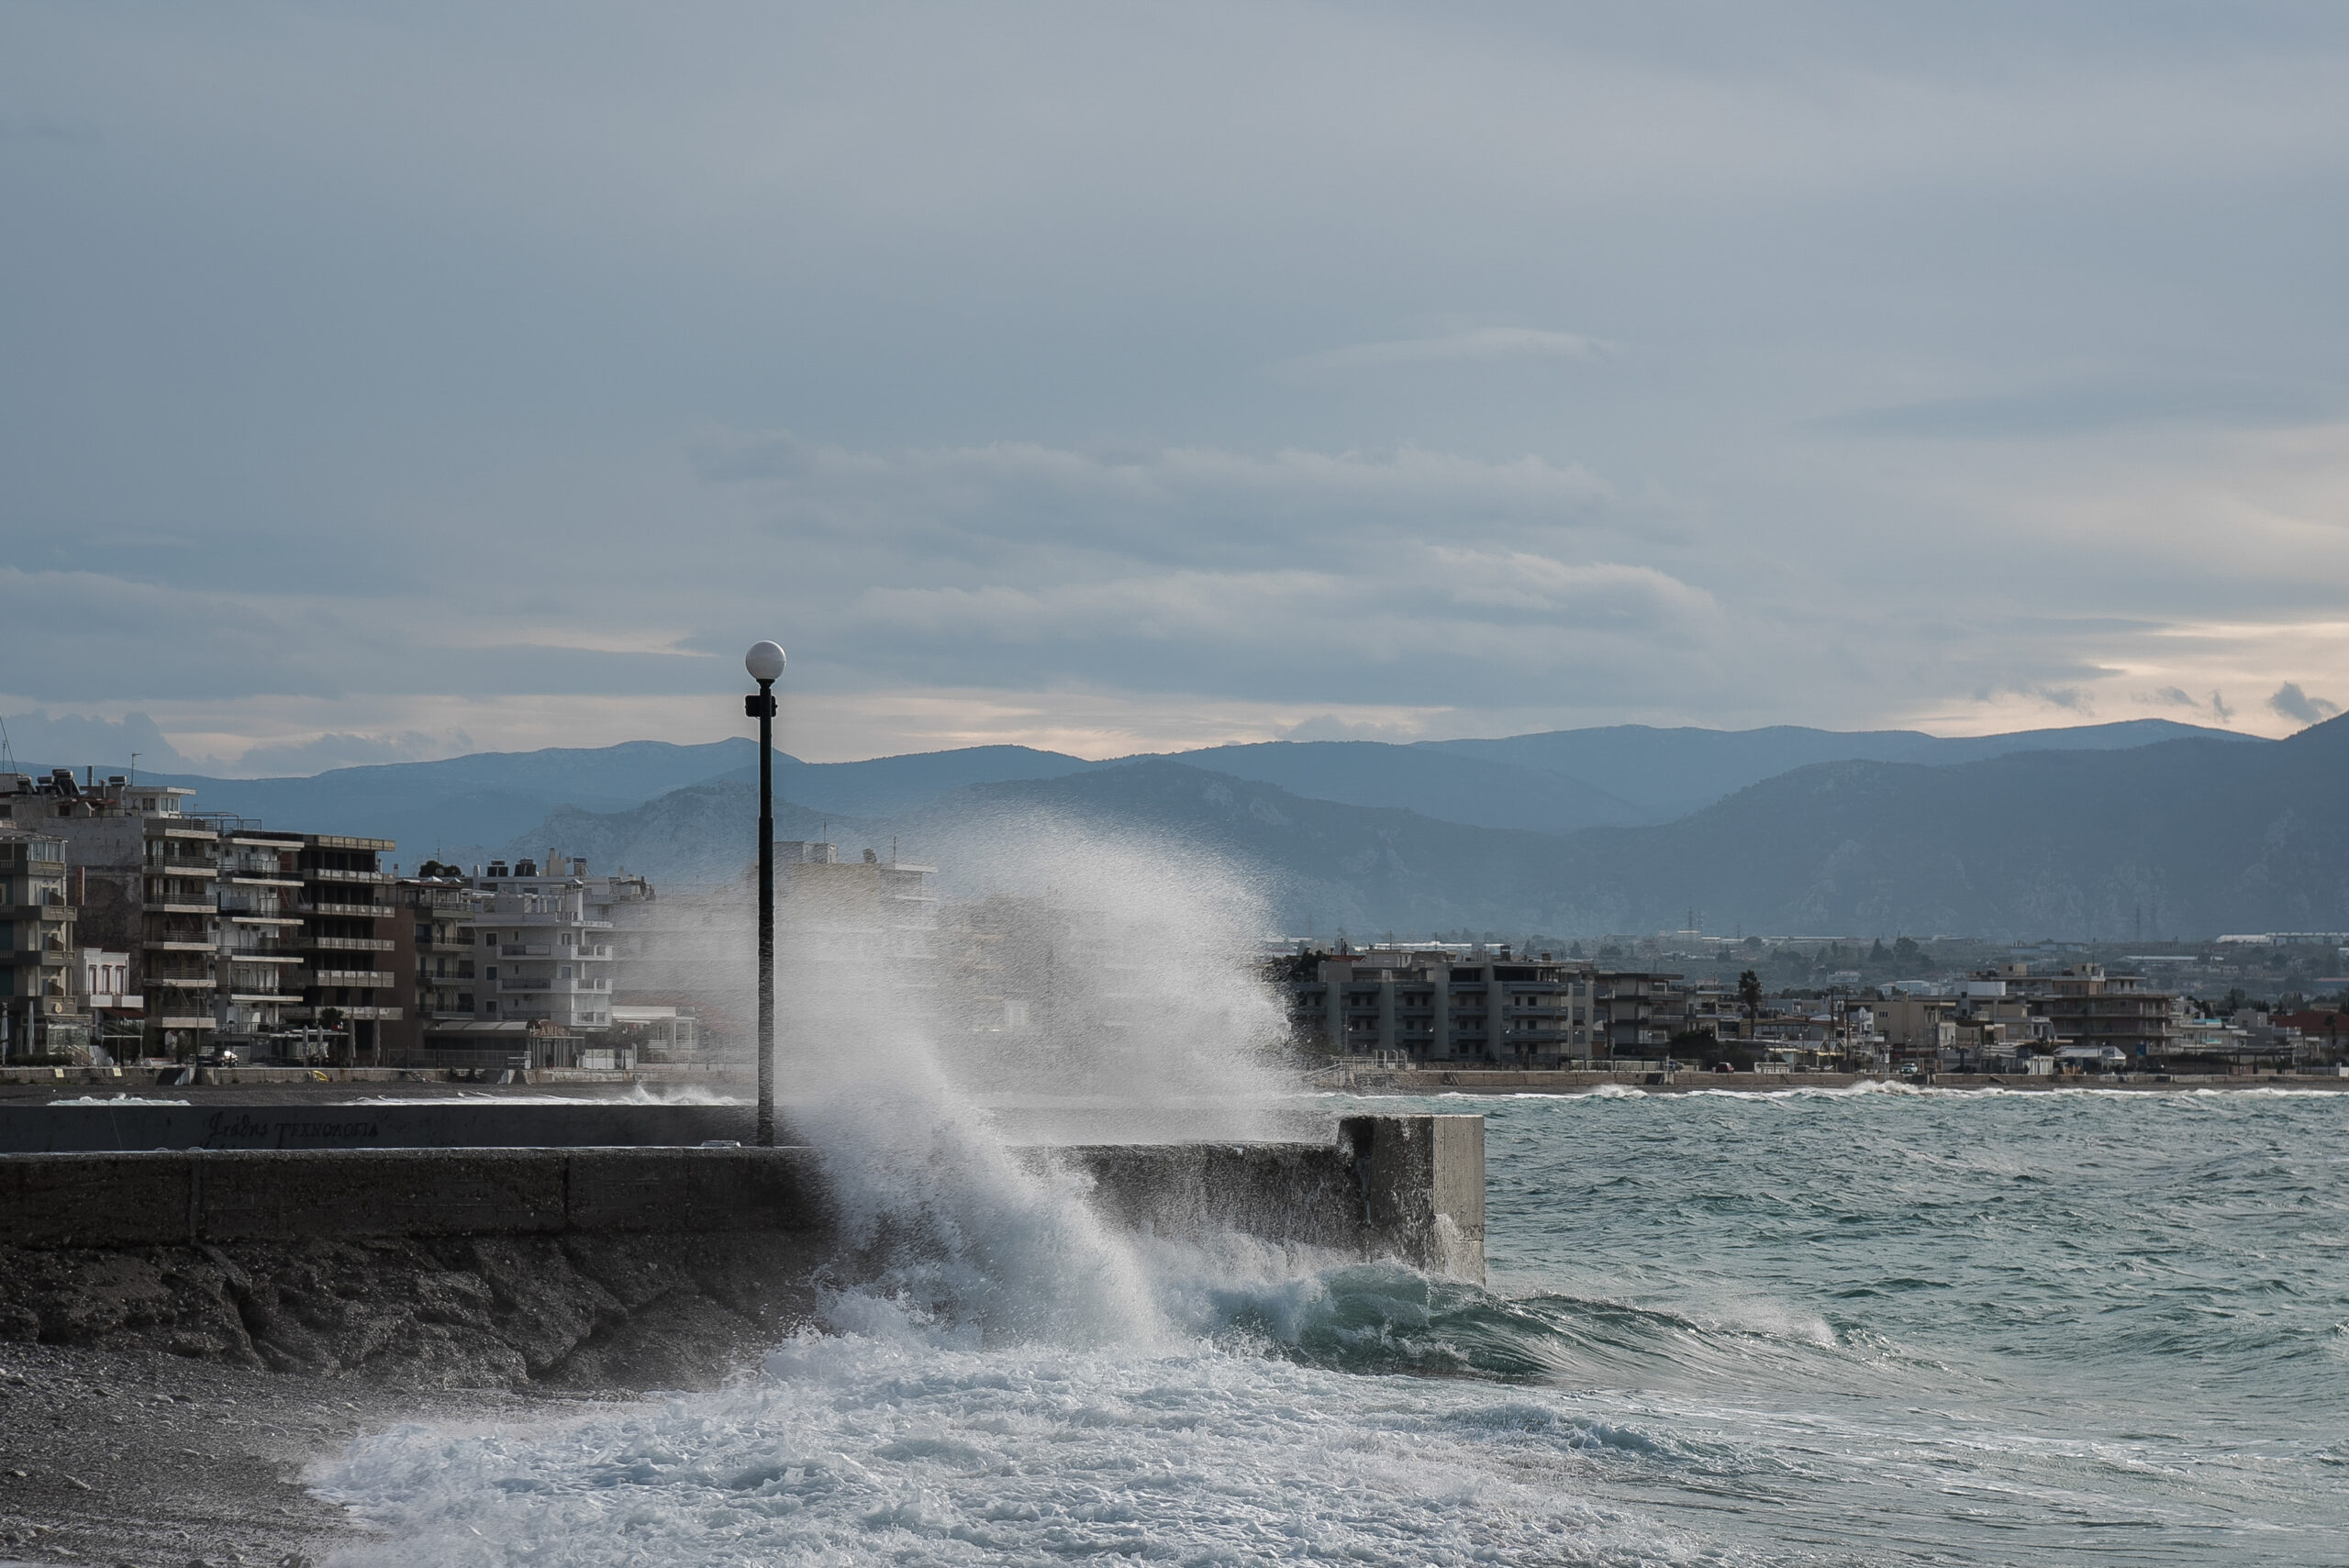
point(1432, 1005)
point(1636, 1013)
point(238, 935)
point(2085, 1006)
point(544, 951)
point(258, 966)
point(433, 963)
point(146, 875)
point(36, 953)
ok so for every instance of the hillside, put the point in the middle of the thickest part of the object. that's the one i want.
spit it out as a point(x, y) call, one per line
point(1456, 787)
point(2191, 836)
point(1667, 774)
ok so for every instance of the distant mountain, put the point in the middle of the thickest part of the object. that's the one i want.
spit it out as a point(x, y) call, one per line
point(700, 836)
point(484, 798)
point(887, 784)
point(465, 807)
point(1669, 773)
point(1453, 785)
point(2187, 836)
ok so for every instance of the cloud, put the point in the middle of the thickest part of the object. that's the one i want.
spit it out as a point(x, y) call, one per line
point(2292, 703)
point(1169, 505)
point(76, 740)
point(2060, 412)
point(320, 432)
point(1329, 727)
point(1480, 345)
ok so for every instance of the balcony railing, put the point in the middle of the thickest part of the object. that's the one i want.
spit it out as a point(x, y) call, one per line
point(321, 875)
point(348, 944)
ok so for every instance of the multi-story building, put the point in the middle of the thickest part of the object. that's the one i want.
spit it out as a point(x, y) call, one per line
point(258, 955)
point(2085, 1006)
point(1636, 1013)
point(1432, 1005)
point(36, 955)
point(118, 1019)
point(238, 935)
point(433, 964)
point(147, 876)
point(345, 943)
point(545, 955)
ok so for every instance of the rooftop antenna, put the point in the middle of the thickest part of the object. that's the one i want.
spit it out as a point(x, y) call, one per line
point(134, 767)
point(7, 753)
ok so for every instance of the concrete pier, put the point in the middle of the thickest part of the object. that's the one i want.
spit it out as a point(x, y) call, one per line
point(607, 1266)
point(221, 1125)
point(1404, 1186)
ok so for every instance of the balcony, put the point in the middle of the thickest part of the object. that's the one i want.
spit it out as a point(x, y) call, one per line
point(367, 977)
point(323, 876)
point(363, 911)
point(181, 908)
point(348, 944)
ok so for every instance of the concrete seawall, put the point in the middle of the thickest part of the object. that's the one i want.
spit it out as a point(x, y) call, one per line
point(483, 1124)
point(602, 1267)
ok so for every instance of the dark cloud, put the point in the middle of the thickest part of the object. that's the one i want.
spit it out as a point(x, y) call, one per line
point(2293, 703)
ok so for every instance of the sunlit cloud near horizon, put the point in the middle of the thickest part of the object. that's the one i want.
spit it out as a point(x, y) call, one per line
point(386, 382)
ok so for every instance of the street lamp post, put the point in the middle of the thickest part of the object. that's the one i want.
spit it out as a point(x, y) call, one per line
point(764, 661)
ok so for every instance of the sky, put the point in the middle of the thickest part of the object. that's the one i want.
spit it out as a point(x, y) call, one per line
point(395, 381)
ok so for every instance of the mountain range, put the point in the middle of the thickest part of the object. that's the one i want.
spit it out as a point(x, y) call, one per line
point(2148, 826)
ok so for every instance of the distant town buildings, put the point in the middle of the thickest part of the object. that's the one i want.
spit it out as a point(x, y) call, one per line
point(1456, 1005)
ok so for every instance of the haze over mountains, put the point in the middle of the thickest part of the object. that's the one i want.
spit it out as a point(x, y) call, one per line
point(2149, 827)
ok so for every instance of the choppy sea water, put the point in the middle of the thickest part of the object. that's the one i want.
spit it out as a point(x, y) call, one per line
point(1806, 1327)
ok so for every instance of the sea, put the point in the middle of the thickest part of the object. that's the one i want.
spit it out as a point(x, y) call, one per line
point(1865, 1326)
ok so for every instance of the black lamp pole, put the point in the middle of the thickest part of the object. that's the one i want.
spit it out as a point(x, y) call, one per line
point(766, 663)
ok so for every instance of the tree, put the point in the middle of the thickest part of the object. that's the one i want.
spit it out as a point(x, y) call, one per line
point(1749, 995)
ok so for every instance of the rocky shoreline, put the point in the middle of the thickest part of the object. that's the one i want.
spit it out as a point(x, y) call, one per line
point(157, 1404)
point(140, 1457)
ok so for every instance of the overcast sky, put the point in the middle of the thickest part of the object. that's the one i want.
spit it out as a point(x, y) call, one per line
point(384, 381)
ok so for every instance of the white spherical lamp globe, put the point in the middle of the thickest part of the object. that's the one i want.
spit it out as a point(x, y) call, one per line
point(764, 661)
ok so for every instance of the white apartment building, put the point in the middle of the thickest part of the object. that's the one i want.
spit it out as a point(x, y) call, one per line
point(545, 950)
